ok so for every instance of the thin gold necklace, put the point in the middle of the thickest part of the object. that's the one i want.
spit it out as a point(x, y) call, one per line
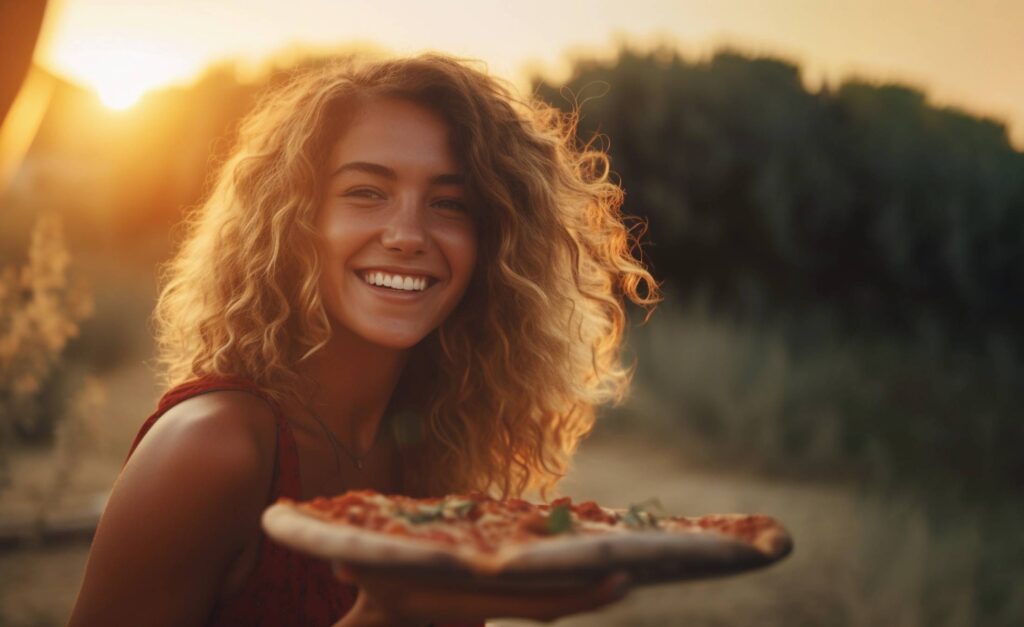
point(336, 444)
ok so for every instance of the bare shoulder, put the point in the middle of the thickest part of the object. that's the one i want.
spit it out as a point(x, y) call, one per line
point(233, 426)
point(182, 510)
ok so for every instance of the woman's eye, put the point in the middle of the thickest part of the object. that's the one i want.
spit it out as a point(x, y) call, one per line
point(450, 204)
point(363, 193)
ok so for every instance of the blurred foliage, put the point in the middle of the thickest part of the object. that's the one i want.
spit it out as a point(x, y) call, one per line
point(897, 414)
point(40, 308)
point(863, 206)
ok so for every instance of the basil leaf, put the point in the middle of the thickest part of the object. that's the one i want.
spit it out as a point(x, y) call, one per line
point(652, 505)
point(462, 509)
point(639, 518)
point(423, 514)
point(559, 520)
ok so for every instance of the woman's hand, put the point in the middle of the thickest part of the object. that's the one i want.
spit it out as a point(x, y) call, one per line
point(386, 600)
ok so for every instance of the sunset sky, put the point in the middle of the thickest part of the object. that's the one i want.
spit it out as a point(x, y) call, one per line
point(964, 54)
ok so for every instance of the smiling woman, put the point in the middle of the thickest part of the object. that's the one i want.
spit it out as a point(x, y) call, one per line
point(404, 280)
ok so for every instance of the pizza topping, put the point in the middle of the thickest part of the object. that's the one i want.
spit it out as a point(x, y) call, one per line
point(592, 512)
point(519, 505)
point(446, 509)
point(559, 520)
point(535, 523)
point(421, 515)
point(479, 523)
point(636, 517)
point(460, 509)
point(747, 527)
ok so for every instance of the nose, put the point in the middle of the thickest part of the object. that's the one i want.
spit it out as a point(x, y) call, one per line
point(405, 231)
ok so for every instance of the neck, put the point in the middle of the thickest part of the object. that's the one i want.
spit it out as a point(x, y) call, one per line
point(350, 383)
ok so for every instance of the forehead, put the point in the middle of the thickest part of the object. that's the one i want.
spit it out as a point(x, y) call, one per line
point(396, 133)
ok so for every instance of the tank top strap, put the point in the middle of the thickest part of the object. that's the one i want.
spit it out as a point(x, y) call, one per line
point(286, 466)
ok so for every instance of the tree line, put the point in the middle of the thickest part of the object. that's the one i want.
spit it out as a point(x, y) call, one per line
point(862, 205)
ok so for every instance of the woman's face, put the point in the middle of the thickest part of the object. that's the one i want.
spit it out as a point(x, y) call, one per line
point(399, 241)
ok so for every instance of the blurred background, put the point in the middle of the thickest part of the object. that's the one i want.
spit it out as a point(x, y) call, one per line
point(835, 200)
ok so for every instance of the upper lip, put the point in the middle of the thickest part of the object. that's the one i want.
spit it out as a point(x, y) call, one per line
point(397, 270)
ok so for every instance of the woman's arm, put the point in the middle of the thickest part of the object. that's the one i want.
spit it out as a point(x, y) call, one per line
point(181, 511)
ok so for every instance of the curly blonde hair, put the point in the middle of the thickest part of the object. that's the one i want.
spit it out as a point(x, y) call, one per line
point(507, 386)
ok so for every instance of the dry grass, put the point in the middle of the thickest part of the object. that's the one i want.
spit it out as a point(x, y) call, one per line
point(788, 394)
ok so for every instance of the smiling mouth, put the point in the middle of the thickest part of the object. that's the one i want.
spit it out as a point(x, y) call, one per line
point(397, 282)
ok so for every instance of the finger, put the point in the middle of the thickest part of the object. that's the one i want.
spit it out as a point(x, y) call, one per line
point(344, 572)
point(610, 590)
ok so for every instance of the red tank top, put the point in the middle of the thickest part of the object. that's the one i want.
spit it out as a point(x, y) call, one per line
point(286, 588)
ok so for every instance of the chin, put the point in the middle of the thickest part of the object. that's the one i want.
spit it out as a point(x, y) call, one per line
point(398, 343)
point(397, 340)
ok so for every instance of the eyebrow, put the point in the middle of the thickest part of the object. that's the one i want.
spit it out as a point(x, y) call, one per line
point(385, 172)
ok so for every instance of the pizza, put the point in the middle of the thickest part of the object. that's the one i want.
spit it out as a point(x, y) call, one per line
point(514, 541)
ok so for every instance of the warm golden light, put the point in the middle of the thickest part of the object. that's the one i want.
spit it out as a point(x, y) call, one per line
point(118, 97)
point(120, 76)
point(22, 122)
point(959, 54)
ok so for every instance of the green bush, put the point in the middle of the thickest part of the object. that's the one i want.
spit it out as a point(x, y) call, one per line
point(864, 200)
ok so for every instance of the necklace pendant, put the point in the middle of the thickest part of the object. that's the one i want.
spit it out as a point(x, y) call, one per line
point(359, 464)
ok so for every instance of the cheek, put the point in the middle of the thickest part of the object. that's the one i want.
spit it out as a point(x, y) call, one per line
point(335, 247)
point(340, 240)
point(461, 251)
point(333, 234)
point(470, 257)
point(330, 284)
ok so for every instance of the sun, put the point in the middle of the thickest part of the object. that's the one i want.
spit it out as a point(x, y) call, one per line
point(120, 77)
point(121, 72)
point(119, 96)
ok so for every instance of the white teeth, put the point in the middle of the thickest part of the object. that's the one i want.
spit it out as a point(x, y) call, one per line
point(395, 281)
